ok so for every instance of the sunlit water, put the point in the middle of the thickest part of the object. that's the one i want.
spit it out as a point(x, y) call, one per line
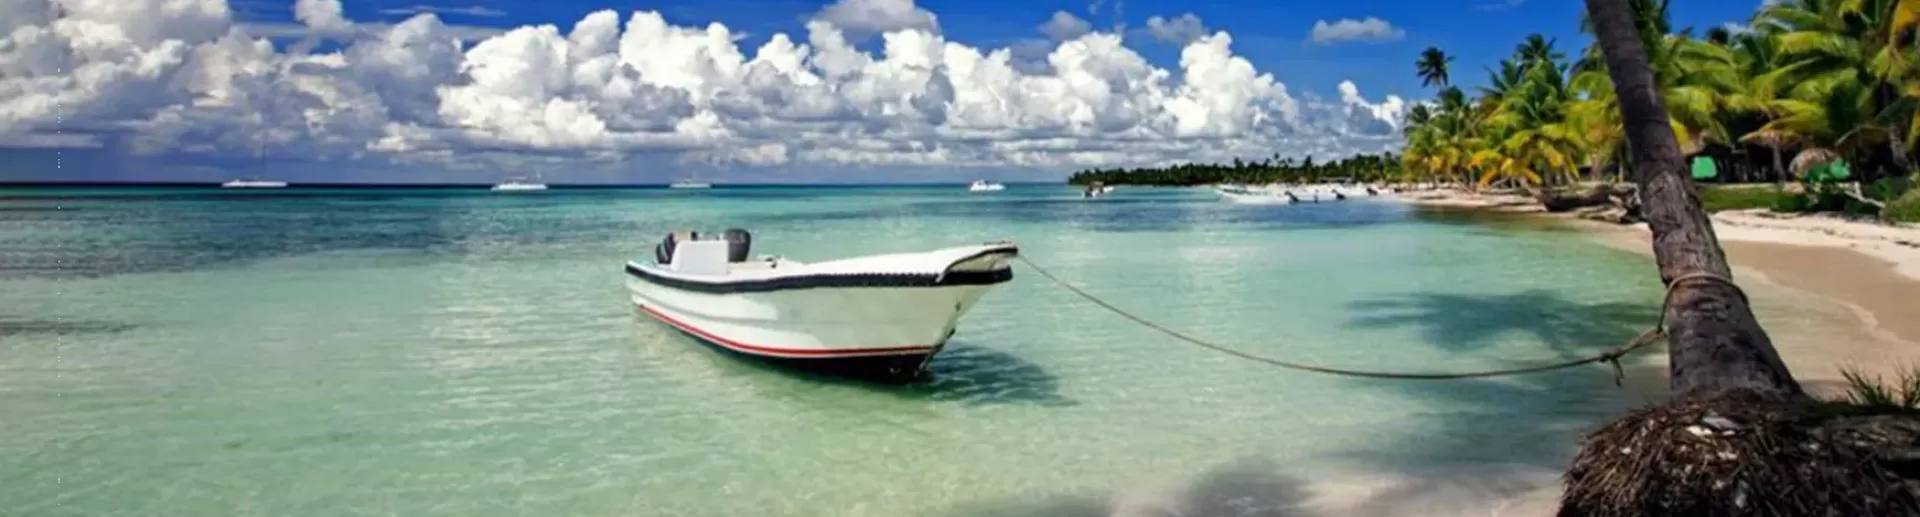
point(199, 352)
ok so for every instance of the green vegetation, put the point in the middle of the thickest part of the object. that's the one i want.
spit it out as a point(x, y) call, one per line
point(1902, 393)
point(1905, 209)
point(1820, 81)
point(1718, 198)
point(1806, 87)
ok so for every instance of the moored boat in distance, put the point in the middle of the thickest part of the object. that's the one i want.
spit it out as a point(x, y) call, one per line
point(253, 183)
point(879, 317)
point(984, 186)
point(689, 183)
point(1248, 196)
point(1097, 189)
point(514, 184)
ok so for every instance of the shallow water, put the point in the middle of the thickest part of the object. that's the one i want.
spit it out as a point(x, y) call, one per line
point(198, 352)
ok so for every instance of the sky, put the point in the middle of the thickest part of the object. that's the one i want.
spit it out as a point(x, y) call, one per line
point(784, 91)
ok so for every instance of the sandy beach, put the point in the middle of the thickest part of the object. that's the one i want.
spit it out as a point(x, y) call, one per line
point(1832, 292)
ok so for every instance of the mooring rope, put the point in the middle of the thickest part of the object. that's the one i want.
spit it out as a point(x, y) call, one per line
point(1611, 357)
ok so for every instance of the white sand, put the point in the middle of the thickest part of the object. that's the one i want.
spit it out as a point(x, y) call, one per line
point(1897, 244)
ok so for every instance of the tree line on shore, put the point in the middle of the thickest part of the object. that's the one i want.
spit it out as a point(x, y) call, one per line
point(1277, 169)
point(1804, 85)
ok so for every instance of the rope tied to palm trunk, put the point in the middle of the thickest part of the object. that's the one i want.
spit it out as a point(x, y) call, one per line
point(1611, 356)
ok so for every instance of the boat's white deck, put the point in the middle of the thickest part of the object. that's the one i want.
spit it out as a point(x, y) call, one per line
point(926, 262)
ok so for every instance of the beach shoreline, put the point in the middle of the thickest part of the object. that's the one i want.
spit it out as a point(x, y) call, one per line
point(1833, 293)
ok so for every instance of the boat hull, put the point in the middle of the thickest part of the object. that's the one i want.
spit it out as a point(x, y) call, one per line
point(875, 332)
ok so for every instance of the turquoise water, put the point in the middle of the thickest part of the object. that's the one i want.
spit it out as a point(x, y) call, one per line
point(362, 352)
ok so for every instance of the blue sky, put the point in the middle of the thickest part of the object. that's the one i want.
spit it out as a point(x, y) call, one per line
point(402, 120)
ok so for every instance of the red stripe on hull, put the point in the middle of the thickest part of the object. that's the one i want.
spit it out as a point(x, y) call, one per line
point(780, 351)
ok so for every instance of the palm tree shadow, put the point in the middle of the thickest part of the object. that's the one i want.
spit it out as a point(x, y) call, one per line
point(1249, 487)
point(17, 326)
point(1463, 323)
point(1533, 419)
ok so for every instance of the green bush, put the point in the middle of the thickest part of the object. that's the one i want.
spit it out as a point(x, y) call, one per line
point(1906, 209)
point(1887, 189)
point(1792, 204)
point(1715, 199)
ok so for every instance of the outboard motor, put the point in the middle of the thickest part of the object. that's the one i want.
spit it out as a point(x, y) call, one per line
point(663, 252)
point(739, 243)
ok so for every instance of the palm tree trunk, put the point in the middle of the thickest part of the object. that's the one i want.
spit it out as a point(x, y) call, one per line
point(1899, 145)
point(1717, 347)
point(1779, 167)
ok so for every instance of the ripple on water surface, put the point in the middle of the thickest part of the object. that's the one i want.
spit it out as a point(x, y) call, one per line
point(468, 354)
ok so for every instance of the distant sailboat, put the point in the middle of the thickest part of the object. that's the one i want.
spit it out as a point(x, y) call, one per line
point(259, 156)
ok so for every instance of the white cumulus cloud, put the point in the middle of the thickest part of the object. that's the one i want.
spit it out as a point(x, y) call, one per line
point(1369, 30)
point(1182, 29)
point(863, 17)
point(1065, 26)
point(182, 78)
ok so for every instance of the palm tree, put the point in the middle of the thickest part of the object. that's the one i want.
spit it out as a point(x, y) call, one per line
point(1845, 54)
point(1537, 49)
point(1695, 78)
point(1432, 67)
point(1717, 347)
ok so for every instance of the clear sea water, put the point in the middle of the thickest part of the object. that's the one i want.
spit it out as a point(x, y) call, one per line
point(427, 352)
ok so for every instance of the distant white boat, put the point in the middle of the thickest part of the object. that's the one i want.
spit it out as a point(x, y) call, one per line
point(1097, 190)
point(985, 186)
point(253, 183)
point(1246, 196)
point(519, 184)
point(688, 183)
point(880, 317)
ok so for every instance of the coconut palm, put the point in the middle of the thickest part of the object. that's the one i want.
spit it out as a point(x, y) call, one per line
point(1847, 48)
point(1432, 67)
point(1537, 49)
point(1696, 78)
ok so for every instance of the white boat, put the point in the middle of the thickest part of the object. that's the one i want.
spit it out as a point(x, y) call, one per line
point(1096, 190)
point(514, 184)
point(253, 183)
point(1245, 196)
point(879, 317)
point(688, 183)
point(985, 186)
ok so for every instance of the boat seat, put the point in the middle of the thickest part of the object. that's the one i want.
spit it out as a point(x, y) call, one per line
point(663, 252)
point(739, 244)
point(702, 257)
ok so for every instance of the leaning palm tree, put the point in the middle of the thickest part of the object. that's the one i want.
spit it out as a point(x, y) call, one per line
point(1432, 67)
point(1718, 347)
point(1739, 436)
